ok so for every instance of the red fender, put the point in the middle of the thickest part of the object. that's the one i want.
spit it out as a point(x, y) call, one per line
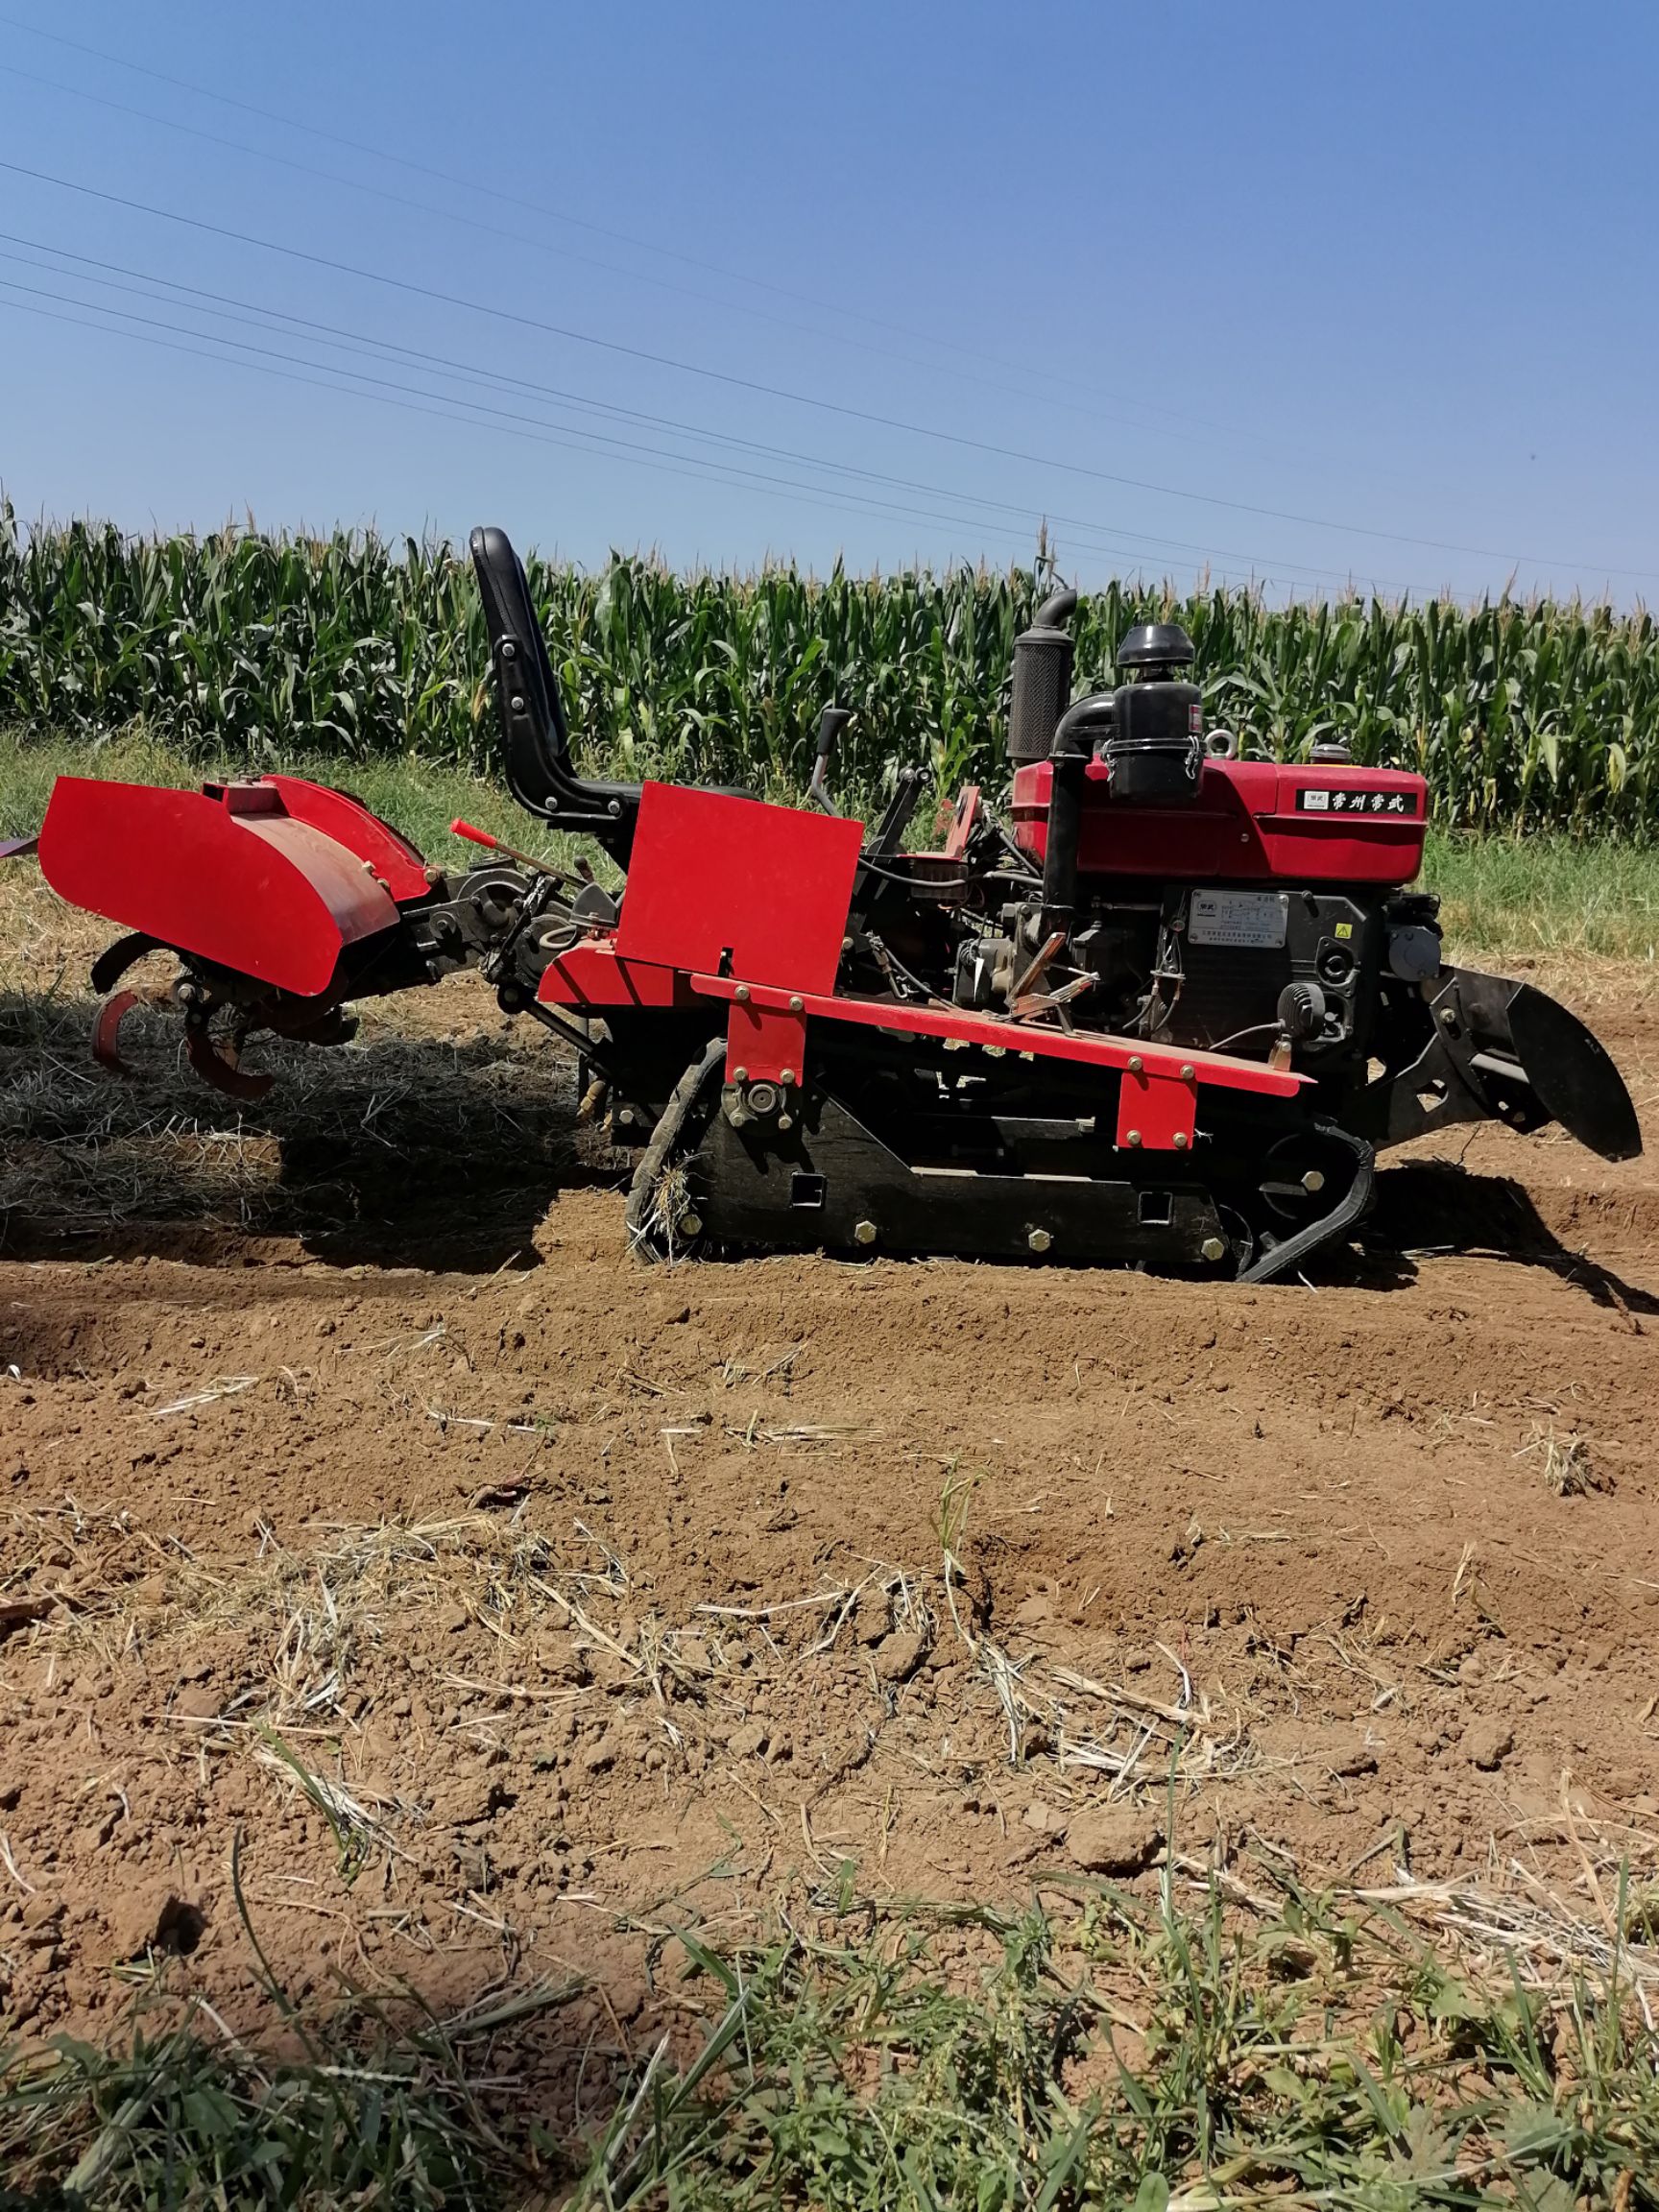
point(232, 874)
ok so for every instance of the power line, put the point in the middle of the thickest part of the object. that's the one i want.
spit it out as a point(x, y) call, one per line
point(335, 336)
point(760, 389)
point(471, 184)
point(592, 261)
point(411, 399)
point(444, 407)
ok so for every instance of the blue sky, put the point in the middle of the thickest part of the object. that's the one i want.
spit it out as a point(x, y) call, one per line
point(1290, 291)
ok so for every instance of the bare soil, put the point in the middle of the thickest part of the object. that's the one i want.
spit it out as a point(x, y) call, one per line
point(365, 1506)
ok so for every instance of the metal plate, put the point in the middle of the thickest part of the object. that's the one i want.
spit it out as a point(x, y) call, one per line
point(1259, 919)
point(722, 885)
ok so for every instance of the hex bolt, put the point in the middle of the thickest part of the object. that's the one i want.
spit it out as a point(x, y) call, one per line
point(1313, 1181)
point(796, 1002)
point(739, 1075)
point(1135, 1064)
point(864, 1233)
point(625, 1115)
point(1132, 1137)
point(1179, 1139)
point(1213, 1249)
point(690, 1224)
point(1188, 1073)
point(741, 993)
point(785, 1121)
point(509, 651)
point(786, 1075)
point(1038, 1241)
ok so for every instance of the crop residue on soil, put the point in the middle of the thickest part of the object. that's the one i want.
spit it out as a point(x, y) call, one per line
point(505, 1597)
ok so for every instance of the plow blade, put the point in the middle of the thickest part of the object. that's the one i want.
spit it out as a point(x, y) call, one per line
point(1504, 1051)
point(1511, 1038)
point(1569, 1073)
point(235, 874)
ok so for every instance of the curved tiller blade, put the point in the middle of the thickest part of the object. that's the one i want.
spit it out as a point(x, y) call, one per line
point(107, 1031)
point(218, 1067)
point(1572, 1075)
point(1528, 1060)
point(107, 969)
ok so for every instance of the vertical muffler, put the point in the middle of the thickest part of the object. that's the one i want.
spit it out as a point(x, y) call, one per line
point(1041, 680)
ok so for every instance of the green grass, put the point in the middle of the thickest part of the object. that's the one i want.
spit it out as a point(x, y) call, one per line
point(420, 798)
point(1544, 894)
point(1288, 2049)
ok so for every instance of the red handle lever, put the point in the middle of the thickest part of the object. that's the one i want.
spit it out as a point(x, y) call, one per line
point(477, 836)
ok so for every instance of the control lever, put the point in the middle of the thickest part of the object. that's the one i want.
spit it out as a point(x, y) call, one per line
point(831, 724)
point(890, 829)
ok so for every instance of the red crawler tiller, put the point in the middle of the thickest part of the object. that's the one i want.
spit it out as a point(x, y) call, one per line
point(1165, 1011)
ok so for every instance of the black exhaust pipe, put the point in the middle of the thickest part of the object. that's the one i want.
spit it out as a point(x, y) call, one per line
point(1041, 680)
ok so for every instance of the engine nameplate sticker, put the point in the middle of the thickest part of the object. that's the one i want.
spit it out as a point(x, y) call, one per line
point(1311, 799)
point(1250, 918)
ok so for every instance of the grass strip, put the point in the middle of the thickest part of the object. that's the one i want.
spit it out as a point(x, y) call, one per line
point(1544, 894)
point(1093, 2050)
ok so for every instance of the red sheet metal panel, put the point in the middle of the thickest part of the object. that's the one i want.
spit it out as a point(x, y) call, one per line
point(1157, 1112)
point(1252, 821)
point(590, 975)
point(258, 893)
point(1087, 1045)
point(763, 1045)
point(401, 868)
point(737, 887)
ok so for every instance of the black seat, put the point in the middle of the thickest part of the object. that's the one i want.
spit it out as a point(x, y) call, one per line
point(535, 737)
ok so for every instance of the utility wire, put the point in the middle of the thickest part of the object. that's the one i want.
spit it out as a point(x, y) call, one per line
point(454, 181)
point(444, 408)
point(447, 407)
point(1085, 530)
point(1179, 426)
point(756, 386)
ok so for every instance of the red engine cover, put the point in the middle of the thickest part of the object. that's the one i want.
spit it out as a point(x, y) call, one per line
point(1251, 821)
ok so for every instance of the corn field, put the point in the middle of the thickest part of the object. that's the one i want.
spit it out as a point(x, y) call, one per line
point(261, 648)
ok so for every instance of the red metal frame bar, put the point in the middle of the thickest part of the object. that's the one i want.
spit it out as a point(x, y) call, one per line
point(1125, 1054)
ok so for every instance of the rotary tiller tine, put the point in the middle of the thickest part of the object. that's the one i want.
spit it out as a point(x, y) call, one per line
point(107, 1031)
point(113, 962)
point(223, 1074)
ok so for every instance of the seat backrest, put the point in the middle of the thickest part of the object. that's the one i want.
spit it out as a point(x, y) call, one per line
point(536, 738)
point(510, 618)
